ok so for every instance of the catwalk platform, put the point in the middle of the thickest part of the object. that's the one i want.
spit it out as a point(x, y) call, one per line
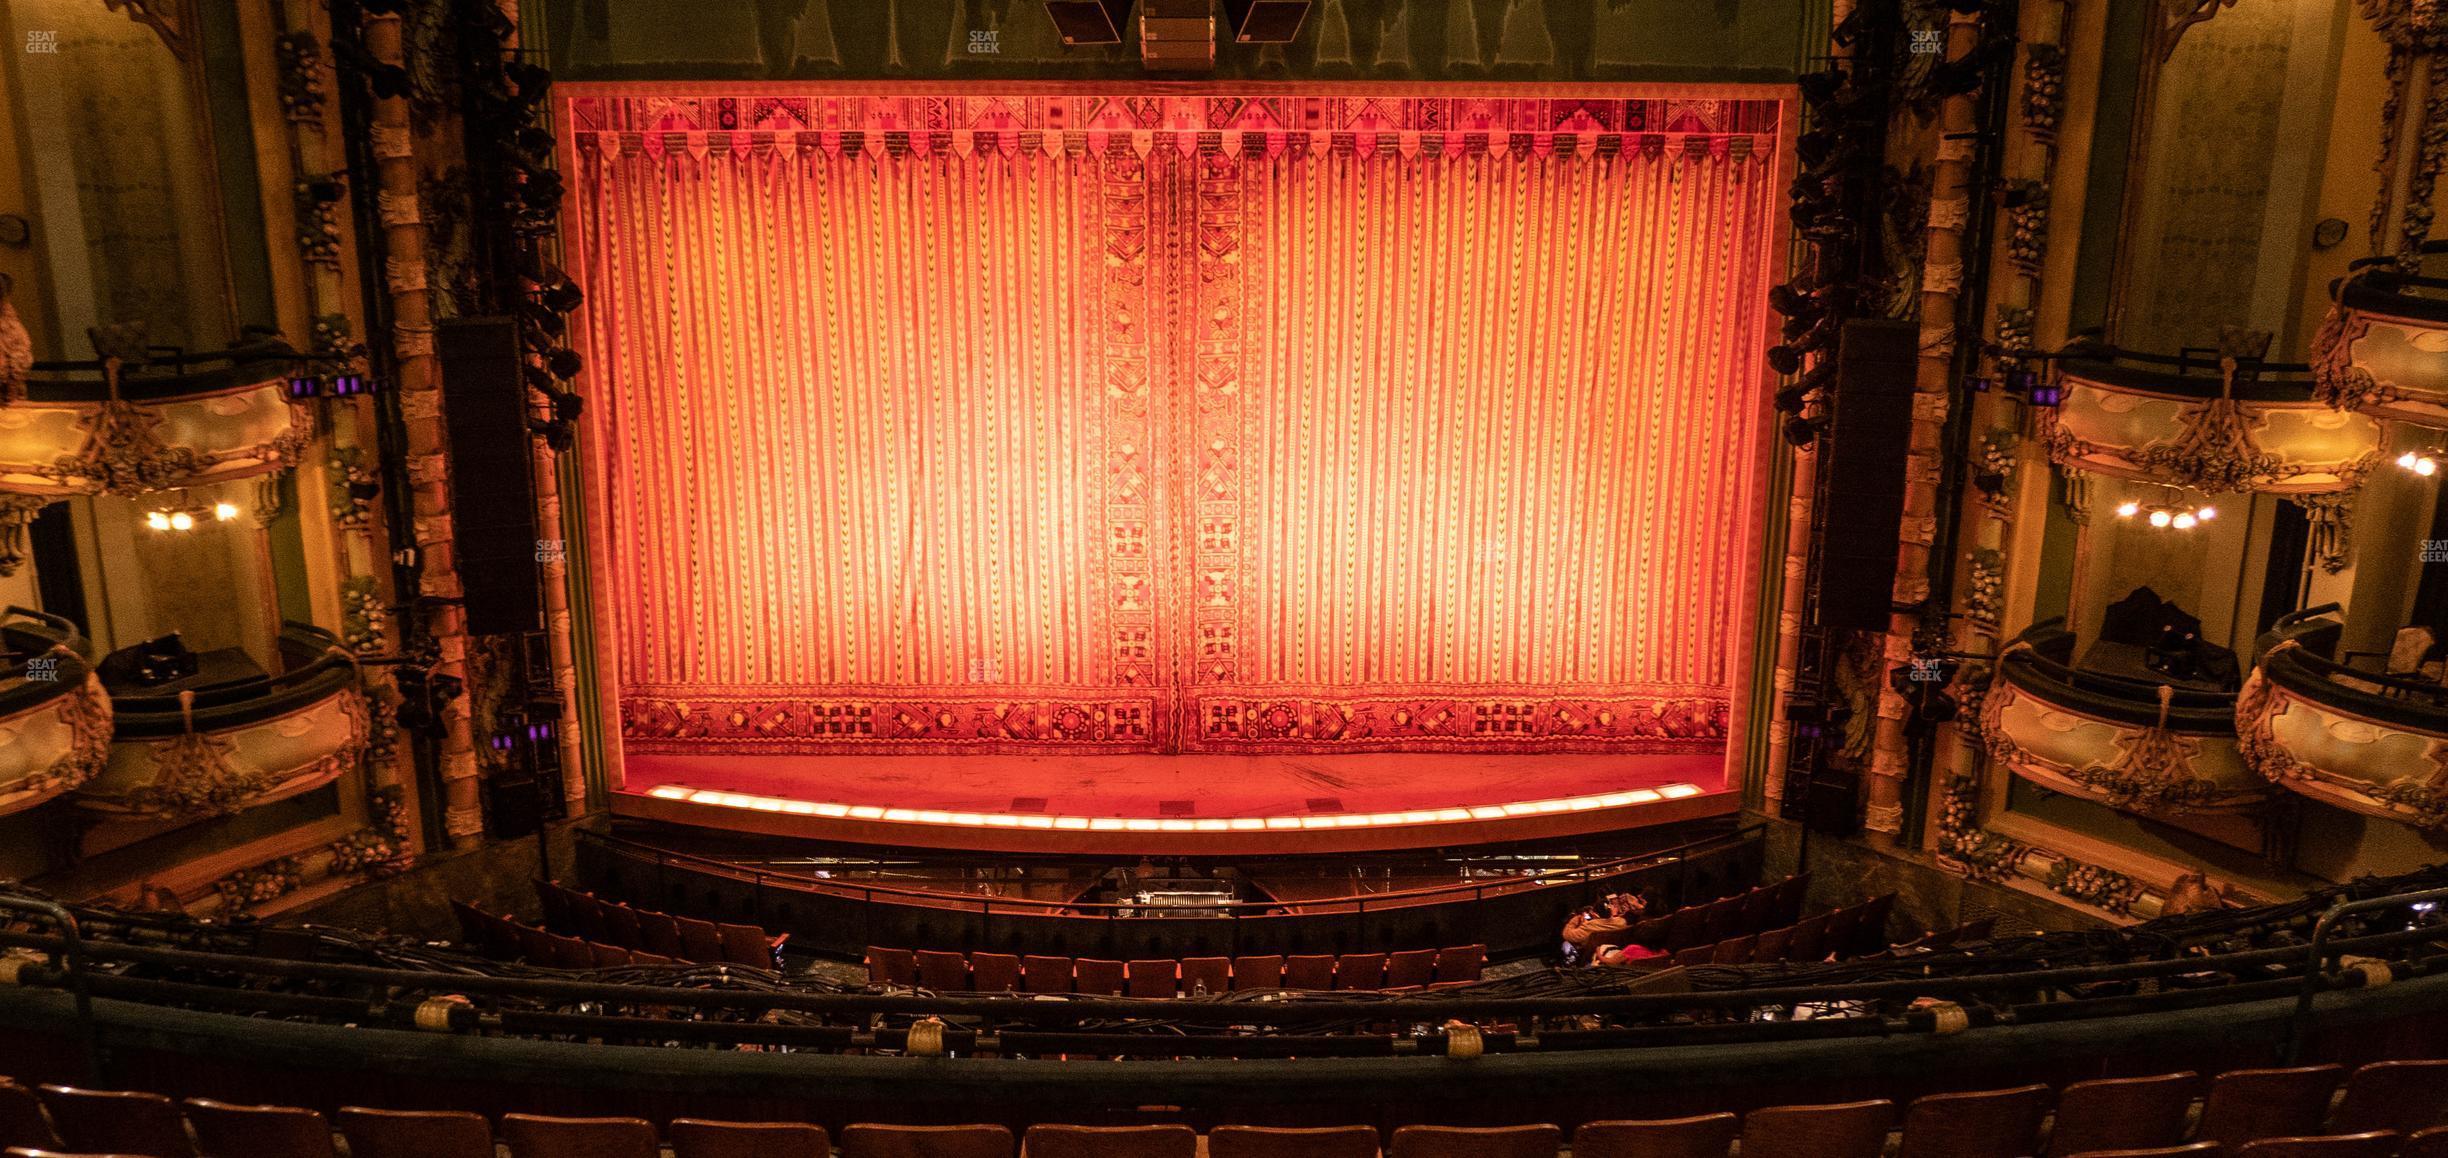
point(1176, 805)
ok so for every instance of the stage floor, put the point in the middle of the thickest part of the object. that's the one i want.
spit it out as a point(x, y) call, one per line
point(1220, 805)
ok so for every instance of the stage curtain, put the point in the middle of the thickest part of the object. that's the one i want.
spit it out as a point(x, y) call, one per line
point(1158, 441)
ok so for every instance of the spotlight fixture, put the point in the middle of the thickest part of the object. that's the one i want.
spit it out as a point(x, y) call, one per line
point(2047, 394)
point(1089, 21)
point(2421, 463)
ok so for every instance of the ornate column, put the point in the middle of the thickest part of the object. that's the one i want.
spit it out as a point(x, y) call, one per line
point(420, 393)
point(1933, 386)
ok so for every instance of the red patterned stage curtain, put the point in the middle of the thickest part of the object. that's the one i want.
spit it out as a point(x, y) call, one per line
point(1054, 430)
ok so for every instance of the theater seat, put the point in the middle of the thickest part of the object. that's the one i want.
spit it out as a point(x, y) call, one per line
point(1704, 1136)
point(1257, 972)
point(701, 940)
point(1980, 1124)
point(2266, 1103)
point(2394, 1095)
point(1410, 969)
point(1110, 1142)
point(942, 972)
point(1047, 974)
point(1538, 1141)
point(867, 1140)
point(891, 966)
point(414, 1133)
point(1292, 1142)
point(536, 1136)
point(2369, 1144)
point(2195, 1150)
point(2122, 1113)
point(22, 1121)
point(227, 1131)
point(1094, 976)
point(1360, 971)
point(118, 1121)
point(994, 972)
point(748, 945)
point(1308, 971)
point(1149, 978)
point(1843, 1130)
point(1211, 974)
point(699, 1138)
point(1460, 964)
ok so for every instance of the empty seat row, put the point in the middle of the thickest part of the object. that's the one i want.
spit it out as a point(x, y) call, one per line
point(591, 918)
point(1166, 977)
point(2389, 1110)
point(1842, 933)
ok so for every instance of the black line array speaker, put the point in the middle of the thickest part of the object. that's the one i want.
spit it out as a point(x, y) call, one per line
point(1265, 21)
point(492, 462)
point(1089, 21)
point(1869, 433)
point(1834, 807)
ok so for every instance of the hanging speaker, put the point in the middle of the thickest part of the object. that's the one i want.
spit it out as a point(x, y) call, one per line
point(1177, 34)
point(1869, 431)
point(1089, 21)
point(492, 462)
point(1265, 21)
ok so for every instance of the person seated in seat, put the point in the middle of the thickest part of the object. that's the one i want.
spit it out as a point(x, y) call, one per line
point(1602, 924)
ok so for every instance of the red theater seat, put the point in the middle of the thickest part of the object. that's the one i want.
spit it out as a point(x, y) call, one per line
point(866, 1140)
point(2394, 1095)
point(1360, 971)
point(608, 956)
point(1410, 969)
point(414, 1134)
point(658, 933)
point(1102, 978)
point(1260, 972)
point(1207, 974)
point(701, 941)
point(994, 972)
point(2266, 1103)
point(1047, 974)
point(1982, 1124)
point(942, 972)
point(621, 927)
point(1705, 1136)
point(698, 1138)
point(748, 945)
point(1847, 1130)
point(891, 966)
point(1110, 1142)
point(1292, 1142)
point(227, 1131)
point(1460, 964)
point(2123, 1113)
point(22, 1121)
point(118, 1121)
point(1149, 978)
point(1539, 1141)
point(535, 1136)
point(2370, 1144)
point(1309, 971)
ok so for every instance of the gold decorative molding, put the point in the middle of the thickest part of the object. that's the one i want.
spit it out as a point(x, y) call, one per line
point(2324, 748)
point(56, 745)
point(52, 450)
point(203, 771)
point(2152, 769)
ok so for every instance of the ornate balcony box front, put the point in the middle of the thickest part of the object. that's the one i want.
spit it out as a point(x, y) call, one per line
point(194, 755)
point(2383, 350)
point(2372, 744)
point(91, 428)
point(2185, 423)
point(55, 720)
point(2151, 749)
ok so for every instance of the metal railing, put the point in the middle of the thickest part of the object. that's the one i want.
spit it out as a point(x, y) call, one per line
point(683, 1011)
point(1104, 910)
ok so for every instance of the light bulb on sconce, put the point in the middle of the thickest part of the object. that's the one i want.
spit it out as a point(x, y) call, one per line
point(2184, 521)
point(2160, 518)
point(224, 512)
point(2420, 462)
point(2128, 509)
